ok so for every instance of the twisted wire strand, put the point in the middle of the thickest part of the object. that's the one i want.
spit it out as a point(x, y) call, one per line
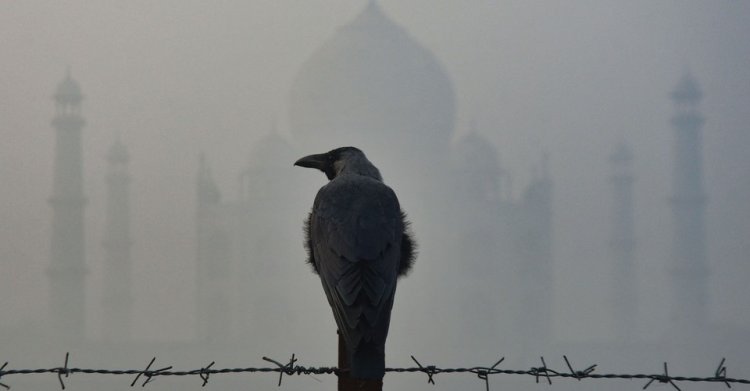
point(291, 368)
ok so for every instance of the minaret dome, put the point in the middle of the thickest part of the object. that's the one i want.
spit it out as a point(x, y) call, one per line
point(687, 92)
point(68, 92)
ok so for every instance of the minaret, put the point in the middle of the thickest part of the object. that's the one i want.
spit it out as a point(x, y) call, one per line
point(689, 267)
point(622, 242)
point(213, 258)
point(67, 269)
point(117, 300)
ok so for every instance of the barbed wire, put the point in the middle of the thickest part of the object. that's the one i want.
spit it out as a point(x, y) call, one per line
point(542, 372)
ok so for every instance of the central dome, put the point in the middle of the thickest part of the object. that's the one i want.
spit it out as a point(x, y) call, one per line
point(373, 86)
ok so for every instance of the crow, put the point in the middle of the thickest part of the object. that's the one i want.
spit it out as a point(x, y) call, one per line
point(359, 243)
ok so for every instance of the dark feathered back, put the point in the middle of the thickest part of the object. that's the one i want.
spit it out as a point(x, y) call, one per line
point(358, 242)
point(408, 247)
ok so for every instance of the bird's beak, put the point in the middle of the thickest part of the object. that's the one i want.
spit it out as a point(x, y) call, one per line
point(318, 161)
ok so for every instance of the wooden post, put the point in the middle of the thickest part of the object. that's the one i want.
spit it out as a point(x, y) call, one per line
point(346, 383)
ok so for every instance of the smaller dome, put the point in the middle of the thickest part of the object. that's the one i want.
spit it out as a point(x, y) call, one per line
point(477, 169)
point(68, 91)
point(474, 152)
point(687, 91)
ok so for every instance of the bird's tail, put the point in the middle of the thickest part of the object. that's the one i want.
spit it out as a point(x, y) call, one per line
point(367, 362)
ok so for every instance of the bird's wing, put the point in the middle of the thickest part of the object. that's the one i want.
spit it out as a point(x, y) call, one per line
point(356, 233)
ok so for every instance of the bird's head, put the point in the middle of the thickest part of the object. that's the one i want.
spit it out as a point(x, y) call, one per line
point(341, 161)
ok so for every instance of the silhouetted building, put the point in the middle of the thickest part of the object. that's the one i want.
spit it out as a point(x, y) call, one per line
point(371, 85)
point(67, 270)
point(689, 264)
point(117, 296)
point(622, 242)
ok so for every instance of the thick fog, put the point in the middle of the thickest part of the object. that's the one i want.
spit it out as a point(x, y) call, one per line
point(551, 87)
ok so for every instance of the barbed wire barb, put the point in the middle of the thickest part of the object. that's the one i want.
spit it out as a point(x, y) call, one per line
point(665, 378)
point(543, 370)
point(149, 374)
point(142, 372)
point(578, 375)
point(205, 372)
point(429, 370)
point(63, 371)
point(484, 374)
point(721, 372)
point(7, 387)
point(289, 368)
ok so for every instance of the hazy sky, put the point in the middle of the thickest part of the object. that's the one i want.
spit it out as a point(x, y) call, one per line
point(571, 78)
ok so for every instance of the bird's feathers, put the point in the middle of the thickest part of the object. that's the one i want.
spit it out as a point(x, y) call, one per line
point(357, 224)
point(408, 248)
point(358, 243)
